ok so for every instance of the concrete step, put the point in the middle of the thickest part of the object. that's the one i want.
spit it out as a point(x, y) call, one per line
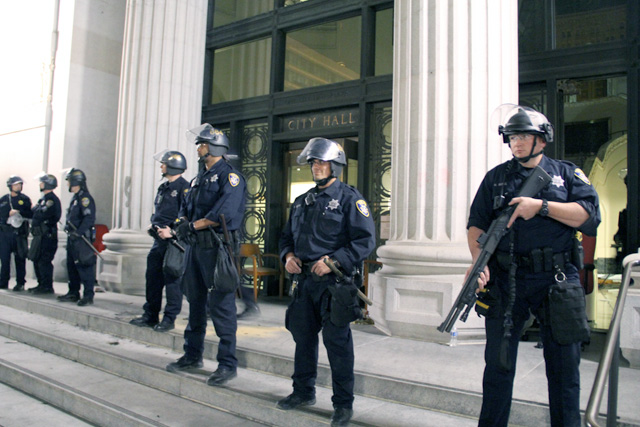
point(251, 396)
point(111, 316)
point(99, 397)
point(18, 409)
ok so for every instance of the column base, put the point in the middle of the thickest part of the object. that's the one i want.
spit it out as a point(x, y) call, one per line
point(124, 262)
point(630, 335)
point(413, 305)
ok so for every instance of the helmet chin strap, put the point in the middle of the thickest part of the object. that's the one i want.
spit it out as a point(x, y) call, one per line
point(323, 181)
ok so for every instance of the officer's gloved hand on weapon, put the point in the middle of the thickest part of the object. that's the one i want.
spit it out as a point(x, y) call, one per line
point(184, 230)
point(151, 231)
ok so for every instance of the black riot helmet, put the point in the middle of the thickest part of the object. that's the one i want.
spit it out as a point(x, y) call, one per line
point(205, 133)
point(76, 177)
point(13, 179)
point(325, 150)
point(524, 120)
point(50, 182)
point(175, 161)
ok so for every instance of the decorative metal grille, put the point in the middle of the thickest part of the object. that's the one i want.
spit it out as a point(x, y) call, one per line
point(380, 165)
point(255, 147)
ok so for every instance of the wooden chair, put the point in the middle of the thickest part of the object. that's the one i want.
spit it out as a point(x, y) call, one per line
point(257, 270)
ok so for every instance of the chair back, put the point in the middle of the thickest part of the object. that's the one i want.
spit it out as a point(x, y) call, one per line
point(249, 249)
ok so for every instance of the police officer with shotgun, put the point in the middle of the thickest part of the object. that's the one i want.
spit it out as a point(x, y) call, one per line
point(212, 212)
point(534, 268)
point(167, 204)
point(329, 233)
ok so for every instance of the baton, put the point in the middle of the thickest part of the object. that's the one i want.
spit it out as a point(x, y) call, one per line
point(173, 240)
point(338, 273)
point(84, 239)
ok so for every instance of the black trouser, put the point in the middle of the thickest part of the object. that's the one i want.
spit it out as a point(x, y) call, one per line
point(79, 273)
point(307, 315)
point(43, 266)
point(561, 361)
point(9, 244)
point(198, 276)
point(156, 281)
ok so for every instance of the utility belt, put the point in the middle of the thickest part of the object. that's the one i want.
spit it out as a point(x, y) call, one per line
point(6, 228)
point(306, 271)
point(44, 229)
point(539, 260)
point(205, 239)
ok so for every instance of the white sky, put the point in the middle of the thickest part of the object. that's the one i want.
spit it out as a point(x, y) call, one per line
point(25, 51)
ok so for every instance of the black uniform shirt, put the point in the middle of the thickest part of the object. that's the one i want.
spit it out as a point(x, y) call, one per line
point(82, 212)
point(569, 184)
point(219, 190)
point(47, 211)
point(335, 222)
point(168, 201)
point(21, 202)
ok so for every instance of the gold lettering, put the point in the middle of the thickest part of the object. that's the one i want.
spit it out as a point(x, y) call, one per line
point(351, 121)
point(334, 121)
point(326, 121)
point(311, 121)
point(290, 125)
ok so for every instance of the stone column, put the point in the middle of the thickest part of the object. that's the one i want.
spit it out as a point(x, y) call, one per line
point(454, 63)
point(160, 98)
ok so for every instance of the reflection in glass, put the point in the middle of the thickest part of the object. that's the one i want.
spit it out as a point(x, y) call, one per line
point(228, 11)
point(323, 54)
point(384, 42)
point(531, 26)
point(586, 22)
point(241, 71)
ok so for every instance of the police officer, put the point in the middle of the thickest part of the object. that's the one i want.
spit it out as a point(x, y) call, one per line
point(81, 260)
point(537, 251)
point(15, 208)
point(44, 228)
point(169, 198)
point(218, 190)
point(332, 220)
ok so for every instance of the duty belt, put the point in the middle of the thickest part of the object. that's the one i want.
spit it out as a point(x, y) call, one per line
point(537, 261)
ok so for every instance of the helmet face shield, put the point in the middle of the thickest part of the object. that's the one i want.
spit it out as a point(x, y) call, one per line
point(76, 177)
point(516, 119)
point(14, 179)
point(175, 162)
point(207, 134)
point(50, 181)
point(322, 149)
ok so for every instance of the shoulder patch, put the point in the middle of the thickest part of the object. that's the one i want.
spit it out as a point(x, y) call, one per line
point(49, 203)
point(581, 176)
point(86, 202)
point(363, 208)
point(234, 179)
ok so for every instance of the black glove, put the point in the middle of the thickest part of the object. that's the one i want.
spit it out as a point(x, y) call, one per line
point(184, 230)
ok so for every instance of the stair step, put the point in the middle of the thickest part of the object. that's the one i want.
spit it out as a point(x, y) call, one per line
point(252, 394)
point(99, 397)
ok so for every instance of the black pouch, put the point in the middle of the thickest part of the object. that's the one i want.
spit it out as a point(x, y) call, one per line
point(173, 262)
point(344, 307)
point(84, 254)
point(22, 246)
point(566, 312)
point(34, 249)
point(488, 303)
point(226, 277)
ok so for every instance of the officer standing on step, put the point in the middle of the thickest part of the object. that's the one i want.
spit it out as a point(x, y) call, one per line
point(537, 255)
point(80, 222)
point(218, 190)
point(44, 228)
point(15, 208)
point(332, 220)
point(167, 204)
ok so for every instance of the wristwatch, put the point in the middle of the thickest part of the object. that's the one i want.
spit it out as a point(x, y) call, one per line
point(544, 210)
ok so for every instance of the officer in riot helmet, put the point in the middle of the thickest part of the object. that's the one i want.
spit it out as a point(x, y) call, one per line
point(330, 221)
point(15, 209)
point(536, 257)
point(169, 199)
point(217, 192)
point(80, 222)
point(44, 228)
